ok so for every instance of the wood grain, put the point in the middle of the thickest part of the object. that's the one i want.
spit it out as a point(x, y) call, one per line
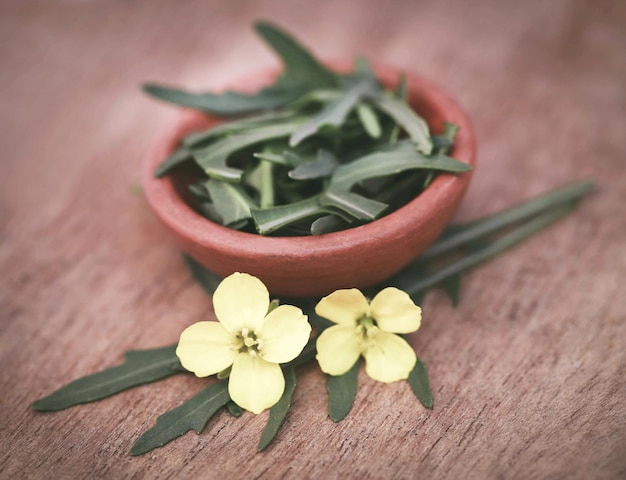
point(528, 372)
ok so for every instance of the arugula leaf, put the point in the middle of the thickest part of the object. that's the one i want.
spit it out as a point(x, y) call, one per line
point(301, 68)
point(324, 165)
point(177, 158)
point(205, 278)
point(193, 414)
point(212, 159)
point(278, 412)
point(140, 367)
point(230, 201)
point(402, 113)
point(342, 392)
point(420, 385)
point(228, 103)
point(334, 113)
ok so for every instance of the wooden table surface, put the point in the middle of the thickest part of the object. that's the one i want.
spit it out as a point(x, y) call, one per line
point(528, 373)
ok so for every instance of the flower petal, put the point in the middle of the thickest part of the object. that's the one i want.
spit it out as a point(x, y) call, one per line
point(389, 358)
point(338, 349)
point(343, 306)
point(205, 348)
point(284, 334)
point(394, 311)
point(241, 300)
point(255, 384)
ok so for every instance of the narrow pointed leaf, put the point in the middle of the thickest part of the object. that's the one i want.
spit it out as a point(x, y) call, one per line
point(202, 139)
point(418, 380)
point(230, 201)
point(228, 103)
point(418, 285)
point(234, 409)
point(194, 414)
point(463, 234)
point(139, 367)
point(323, 166)
point(212, 159)
point(334, 113)
point(403, 114)
point(453, 288)
point(369, 120)
point(301, 68)
point(177, 158)
point(342, 392)
point(358, 206)
point(278, 412)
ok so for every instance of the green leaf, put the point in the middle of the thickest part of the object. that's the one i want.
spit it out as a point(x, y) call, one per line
point(358, 206)
point(230, 201)
point(453, 288)
point(464, 234)
point(199, 140)
point(278, 412)
point(228, 103)
point(417, 285)
point(403, 114)
point(328, 224)
point(177, 158)
point(207, 280)
point(271, 219)
point(342, 392)
point(234, 409)
point(301, 68)
point(193, 414)
point(334, 113)
point(323, 166)
point(418, 380)
point(140, 367)
point(212, 159)
point(396, 159)
point(369, 120)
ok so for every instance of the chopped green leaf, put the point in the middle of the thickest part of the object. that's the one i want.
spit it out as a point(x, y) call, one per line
point(230, 201)
point(402, 113)
point(177, 158)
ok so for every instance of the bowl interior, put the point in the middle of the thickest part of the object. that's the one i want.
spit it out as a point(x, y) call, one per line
point(303, 266)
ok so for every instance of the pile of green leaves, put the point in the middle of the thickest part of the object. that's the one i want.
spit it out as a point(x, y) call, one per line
point(315, 152)
point(460, 248)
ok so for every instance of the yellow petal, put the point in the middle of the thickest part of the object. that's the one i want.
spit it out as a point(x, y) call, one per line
point(394, 311)
point(283, 334)
point(255, 384)
point(343, 306)
point(338, 349)
point(389, 358)
point(241, 300)
point(205, 348)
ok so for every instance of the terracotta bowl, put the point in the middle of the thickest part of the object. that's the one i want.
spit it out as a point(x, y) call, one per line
point(315, 266)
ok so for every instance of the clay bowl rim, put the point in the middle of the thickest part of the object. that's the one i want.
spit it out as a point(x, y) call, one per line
point(178, 216)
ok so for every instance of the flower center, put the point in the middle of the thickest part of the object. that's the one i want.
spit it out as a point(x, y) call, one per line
point(366, 329)
point(248, 342)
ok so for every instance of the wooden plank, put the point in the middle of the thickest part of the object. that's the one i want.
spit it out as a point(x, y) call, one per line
point(528, 373)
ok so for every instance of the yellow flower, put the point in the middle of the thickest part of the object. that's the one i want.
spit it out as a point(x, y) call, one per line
point(368, 329)
point(247, 338)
